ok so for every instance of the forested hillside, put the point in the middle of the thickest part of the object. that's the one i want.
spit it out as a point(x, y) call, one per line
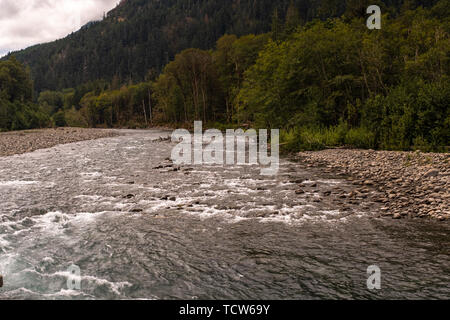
point(140, 36)
point(17, 110)
point(325, 82)
point(143, 35)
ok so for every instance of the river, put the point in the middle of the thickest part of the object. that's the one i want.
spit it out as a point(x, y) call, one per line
point(140, 230)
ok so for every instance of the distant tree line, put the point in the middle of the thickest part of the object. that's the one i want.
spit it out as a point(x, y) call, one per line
point(17, 110)
point(142, 36)
point(325, 83)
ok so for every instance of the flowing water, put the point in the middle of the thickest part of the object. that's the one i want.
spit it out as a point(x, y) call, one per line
point(139, 229)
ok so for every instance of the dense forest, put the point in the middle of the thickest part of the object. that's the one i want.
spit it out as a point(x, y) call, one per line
point(17, 110)
point(139, 37)
point(142, 36)
point(310, 68)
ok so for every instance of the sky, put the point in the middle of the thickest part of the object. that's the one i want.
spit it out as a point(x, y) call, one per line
point(24, 23)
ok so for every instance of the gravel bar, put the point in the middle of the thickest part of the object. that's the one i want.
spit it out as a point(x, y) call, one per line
point(19, 142)
point(410, 184)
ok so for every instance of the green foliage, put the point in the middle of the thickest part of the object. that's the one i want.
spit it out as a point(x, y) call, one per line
point(360, 138)
point(74, 119)
point(139, 36)
point(290, 140)
point(51, 101)
point(15, 81)
point(59, 119)
point(411, 114)
point(310, 138)
point(17, 112)
point(390, 86)
point(142, 35)
point(192, 78)
point(325, 83)
point(313, 138)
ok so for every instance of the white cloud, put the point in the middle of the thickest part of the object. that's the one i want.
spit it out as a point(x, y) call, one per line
point(28, 22)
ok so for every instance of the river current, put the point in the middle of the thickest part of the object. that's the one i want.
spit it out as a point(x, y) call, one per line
point(138, 228)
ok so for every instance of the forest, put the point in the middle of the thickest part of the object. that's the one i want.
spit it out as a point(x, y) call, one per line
point(320, 75)
point(139, 37)
point(17, 108)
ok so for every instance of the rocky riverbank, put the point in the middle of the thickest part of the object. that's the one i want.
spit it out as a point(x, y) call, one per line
point(18, 142)
point(409, 184)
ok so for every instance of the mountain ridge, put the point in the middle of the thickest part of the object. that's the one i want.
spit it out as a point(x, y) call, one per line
point(139, 37)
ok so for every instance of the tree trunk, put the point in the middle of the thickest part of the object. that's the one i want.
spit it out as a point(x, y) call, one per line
point(150, 107)
point(145, 112)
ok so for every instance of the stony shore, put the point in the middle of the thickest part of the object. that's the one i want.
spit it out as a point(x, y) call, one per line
point(18, 142)
point(409, 184)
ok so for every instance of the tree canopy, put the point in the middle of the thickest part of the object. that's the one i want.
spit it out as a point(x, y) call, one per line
point(325, 82)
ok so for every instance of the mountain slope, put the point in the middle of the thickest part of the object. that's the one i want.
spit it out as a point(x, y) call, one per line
point(141, 36)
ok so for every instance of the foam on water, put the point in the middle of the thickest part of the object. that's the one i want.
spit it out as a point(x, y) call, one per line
point(17, 183)
point(330, 181)
point(56, 222)
point(230, 233)
point(62, 294)
point(114, 286)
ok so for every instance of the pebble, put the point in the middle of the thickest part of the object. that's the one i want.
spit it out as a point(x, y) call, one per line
point(432, 173)
point(19, 142)
point(407, 184)
point(397, 215)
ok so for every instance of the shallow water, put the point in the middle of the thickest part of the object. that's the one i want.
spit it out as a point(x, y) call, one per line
point(229, 234)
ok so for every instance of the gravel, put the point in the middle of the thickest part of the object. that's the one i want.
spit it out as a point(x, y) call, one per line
point(409, 184)
point(19, 142)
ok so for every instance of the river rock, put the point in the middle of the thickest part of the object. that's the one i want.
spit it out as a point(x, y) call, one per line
point(412, 183)
point(19, 142)
point(432, 173)
point(397, 216)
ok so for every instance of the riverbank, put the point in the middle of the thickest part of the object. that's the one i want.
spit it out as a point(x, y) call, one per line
point(221, 232)
point(410, 184)
point(19, 142)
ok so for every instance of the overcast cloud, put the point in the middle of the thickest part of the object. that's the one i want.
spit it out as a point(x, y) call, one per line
point(24, 23)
